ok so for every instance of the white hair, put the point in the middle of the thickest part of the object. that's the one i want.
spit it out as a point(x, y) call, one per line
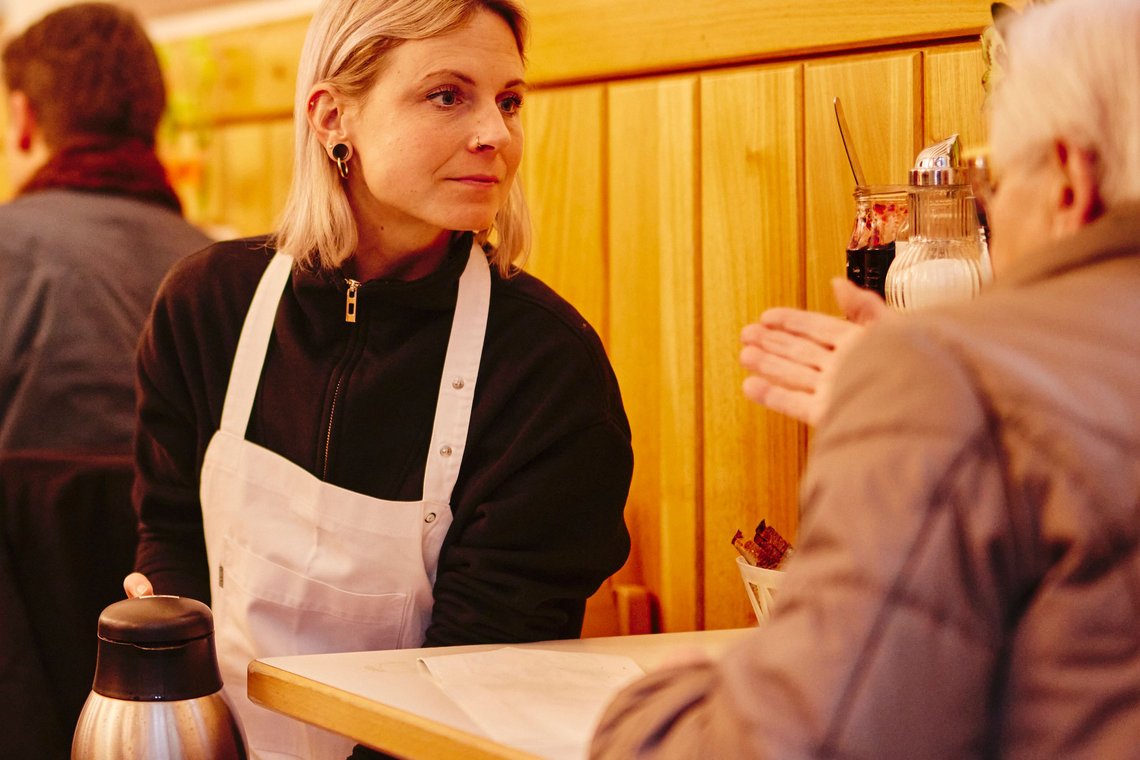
point(346, 46)
point(1073, 73)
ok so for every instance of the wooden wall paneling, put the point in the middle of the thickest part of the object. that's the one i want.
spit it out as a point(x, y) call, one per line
point(564, 179)
point(881, 97)
point(954, 96)
point(279, 165)
point(246, 170)
point(214, 210)
point(245, 187)
point(234, 75)
point(190, 69)
point(591, 39)
point(562, 174)
point(654, 335)
point(752, 248)
point(257, 69)
point(180, 151)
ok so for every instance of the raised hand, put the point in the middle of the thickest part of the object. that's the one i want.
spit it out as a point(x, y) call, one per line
point(791, 354)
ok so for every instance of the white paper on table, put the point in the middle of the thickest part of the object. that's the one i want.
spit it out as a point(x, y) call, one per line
point(541, 701)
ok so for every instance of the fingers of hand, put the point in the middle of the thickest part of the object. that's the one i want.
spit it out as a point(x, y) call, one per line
point(821, 329)
point(861, 306)
point(136, 585)
point(799, 405)
point(801, 351)
point(752, 333)
point(775, 369)
point(784, 358)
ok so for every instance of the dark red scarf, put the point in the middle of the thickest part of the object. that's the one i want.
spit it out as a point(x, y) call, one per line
point(107, 165)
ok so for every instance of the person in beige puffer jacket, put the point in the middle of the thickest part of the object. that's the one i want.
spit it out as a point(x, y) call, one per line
point(967, 580)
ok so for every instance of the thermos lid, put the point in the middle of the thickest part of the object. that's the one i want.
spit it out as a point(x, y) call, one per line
point(156, 649)
point(155, 620)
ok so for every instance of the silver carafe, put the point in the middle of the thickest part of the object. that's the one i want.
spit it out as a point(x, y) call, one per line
point(157, 689)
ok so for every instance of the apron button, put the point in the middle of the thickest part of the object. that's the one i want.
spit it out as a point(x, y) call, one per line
point(445, 451)
point(457, 383)
point(430, 517)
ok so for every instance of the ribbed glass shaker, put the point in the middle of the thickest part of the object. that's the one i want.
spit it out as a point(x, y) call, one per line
point(945, 258)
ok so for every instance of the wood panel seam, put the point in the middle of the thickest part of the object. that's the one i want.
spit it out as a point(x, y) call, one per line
point(699, 357)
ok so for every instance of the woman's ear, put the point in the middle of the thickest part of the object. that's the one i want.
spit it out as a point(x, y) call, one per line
point(1078, 201)
point(326, 114)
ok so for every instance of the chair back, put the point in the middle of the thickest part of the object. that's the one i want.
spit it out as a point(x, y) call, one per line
point(68, 533)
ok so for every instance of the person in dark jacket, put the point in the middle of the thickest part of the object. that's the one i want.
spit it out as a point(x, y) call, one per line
point(371, 430)
point(967, 579)
point(93, 228)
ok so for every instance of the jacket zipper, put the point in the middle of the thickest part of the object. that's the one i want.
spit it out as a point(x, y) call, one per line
point(328, 433)
point(349, 316)
point(350, 300)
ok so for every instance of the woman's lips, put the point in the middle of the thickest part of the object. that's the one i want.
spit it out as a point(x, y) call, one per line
point(477, 180)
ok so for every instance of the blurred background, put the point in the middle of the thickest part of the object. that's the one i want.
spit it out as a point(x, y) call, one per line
point(17, 13)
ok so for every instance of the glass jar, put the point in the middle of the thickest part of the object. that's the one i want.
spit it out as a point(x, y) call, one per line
point(945, 258)
point(880, 216)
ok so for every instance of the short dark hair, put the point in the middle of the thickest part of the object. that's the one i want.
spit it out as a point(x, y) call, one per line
point(88, 70)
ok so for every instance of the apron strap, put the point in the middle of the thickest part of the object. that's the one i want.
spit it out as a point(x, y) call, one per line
point(253, 344)
point(457, 386)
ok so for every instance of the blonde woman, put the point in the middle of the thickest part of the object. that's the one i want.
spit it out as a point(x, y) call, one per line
point(370, 430)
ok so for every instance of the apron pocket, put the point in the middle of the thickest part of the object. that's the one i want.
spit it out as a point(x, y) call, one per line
point(287, 612)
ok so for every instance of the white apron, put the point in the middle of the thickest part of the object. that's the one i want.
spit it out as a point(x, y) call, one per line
point(300, 566)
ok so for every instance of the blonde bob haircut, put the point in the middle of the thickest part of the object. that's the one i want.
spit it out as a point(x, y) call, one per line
point(1073, 73)
point(346, 47)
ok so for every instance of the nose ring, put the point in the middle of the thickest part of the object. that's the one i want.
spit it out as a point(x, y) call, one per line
point(479, 144)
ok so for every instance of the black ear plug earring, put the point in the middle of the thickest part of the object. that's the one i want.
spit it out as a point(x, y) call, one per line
point(340, 155)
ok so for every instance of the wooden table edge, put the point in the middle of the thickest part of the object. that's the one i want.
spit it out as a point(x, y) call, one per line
point(374, 724)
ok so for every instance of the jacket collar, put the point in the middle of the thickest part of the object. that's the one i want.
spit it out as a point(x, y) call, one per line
point(434, 292)
point(1114, 235)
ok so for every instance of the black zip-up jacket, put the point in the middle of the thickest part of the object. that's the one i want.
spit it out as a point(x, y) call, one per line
point(538, 505)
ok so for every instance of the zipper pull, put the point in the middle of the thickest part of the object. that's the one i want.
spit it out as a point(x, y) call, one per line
point(350, 301)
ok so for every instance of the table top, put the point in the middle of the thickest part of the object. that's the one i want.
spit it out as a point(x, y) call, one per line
point(387, 699)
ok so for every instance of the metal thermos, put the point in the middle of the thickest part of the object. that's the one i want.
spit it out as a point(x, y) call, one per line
point(157, 690)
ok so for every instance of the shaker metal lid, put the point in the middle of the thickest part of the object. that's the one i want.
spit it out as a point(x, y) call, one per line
point(155, 620)
point(940, 164)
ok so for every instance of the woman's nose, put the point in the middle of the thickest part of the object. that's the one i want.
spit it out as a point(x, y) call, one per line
point(490, 130)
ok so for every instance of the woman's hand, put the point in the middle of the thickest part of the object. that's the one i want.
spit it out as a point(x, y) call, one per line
point(791, 354)
point(137, 585)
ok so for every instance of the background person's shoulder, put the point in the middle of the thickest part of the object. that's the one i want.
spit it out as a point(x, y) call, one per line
point(226, 267)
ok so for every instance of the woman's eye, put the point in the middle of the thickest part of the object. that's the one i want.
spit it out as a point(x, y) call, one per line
point(445, 97)
point(510, 104)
